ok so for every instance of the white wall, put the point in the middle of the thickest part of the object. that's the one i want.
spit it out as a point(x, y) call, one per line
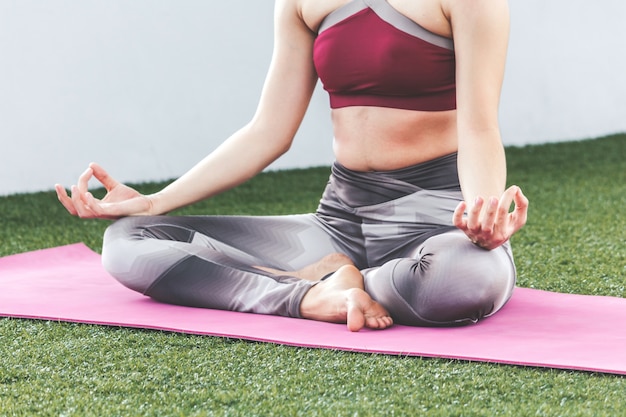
point(566, 72)
point(148, 87)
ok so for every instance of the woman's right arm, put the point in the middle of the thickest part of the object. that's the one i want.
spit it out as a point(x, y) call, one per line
point(284, 99)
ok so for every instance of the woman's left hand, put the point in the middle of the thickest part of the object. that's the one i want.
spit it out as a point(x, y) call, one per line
point(490, 224)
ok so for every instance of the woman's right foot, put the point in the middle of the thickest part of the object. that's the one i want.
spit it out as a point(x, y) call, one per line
point(342, 299)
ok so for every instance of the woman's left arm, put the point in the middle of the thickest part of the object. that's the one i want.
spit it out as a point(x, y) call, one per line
point(481, 30)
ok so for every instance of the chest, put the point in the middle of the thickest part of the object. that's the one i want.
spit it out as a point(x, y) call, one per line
point(426, 13)
point(367, 53)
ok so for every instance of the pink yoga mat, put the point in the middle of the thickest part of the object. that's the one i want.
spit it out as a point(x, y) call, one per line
point(536, 328)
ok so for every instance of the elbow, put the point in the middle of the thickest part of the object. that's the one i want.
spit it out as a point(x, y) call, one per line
point(274, 138)
point(277, 143)
point(283, 146)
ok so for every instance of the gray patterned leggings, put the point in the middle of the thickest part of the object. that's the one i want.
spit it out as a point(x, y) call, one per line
point(394, 225)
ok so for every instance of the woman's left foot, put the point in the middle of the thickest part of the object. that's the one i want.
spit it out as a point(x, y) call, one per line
point(317, 270)
point(342, 299)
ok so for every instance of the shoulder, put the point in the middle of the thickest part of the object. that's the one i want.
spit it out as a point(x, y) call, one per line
point(290, 15)
point(476, 15)
point(309, 13)
point(475, 6)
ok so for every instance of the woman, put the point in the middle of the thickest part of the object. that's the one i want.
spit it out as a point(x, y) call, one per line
point(414, 224)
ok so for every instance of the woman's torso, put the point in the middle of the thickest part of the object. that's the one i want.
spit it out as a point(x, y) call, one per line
point(371, 138)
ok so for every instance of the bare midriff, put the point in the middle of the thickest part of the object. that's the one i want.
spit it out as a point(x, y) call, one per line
point(383, 139)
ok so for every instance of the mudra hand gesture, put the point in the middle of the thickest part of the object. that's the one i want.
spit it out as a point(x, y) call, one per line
point(119, 201)
point(489, 223)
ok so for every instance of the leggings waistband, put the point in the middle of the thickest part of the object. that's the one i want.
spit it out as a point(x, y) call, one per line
point(358, 189)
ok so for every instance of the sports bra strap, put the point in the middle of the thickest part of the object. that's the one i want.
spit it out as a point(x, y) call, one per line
point(341, 13)
point(390, 15)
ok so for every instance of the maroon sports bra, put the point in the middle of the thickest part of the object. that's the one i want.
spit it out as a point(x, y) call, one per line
point(369, 54)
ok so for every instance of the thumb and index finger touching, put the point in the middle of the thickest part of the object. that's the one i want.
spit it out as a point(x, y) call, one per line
point(520, 214)
point(93, 171)
point(100, 174)
point(103, 176)
point(514, 219)
point(96, 171)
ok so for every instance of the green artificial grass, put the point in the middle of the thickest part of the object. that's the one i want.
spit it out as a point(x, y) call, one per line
point(574, 242)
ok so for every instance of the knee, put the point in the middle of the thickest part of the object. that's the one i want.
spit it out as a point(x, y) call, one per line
point(114, 243)
point(453, 285)
point(120, 230)
point(123, 236)
point(121, 256)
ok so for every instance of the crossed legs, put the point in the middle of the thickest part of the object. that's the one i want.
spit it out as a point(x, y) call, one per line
point(239, 264)
point(218, 262)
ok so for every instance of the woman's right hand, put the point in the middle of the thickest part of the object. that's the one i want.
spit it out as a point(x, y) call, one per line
point(119, 201)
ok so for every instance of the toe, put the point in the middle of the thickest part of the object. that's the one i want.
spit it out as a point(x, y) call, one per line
point(379, 322)
point(356, 320)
